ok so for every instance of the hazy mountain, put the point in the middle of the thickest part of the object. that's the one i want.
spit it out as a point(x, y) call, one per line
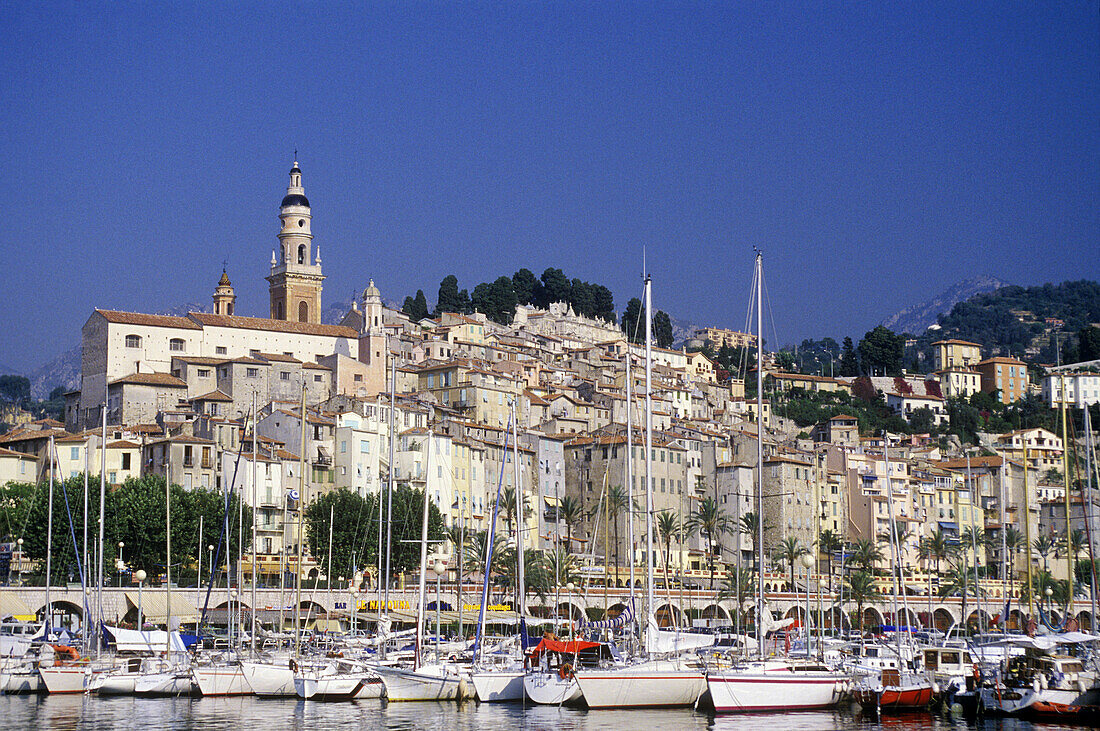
point(918, 318)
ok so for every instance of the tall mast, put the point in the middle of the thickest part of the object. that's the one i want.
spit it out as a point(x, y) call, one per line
point(1070, 558)
point(648, 455)
point(301, 537)
point(974, 538)
point(1027, 539)
point(521, 592)
point(389, 494)
point(84, 575)
point(168, 559)
point(255, 506)
point(424, 557)
point(895, 548)
point(1087, 509)
point(629, 472)
point(759, 281)
point(102, 510)
point(49, 545)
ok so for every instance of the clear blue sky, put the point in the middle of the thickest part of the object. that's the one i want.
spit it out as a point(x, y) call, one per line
point(878, 152)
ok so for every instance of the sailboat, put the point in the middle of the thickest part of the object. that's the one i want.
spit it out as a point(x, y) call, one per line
point(658, 681)
point(423, 682)
point(770, 685)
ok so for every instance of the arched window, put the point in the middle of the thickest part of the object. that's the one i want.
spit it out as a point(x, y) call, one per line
point(279, 311)
point(133, 341)
point(302, 254)
point(303, 312)
point(176, 345)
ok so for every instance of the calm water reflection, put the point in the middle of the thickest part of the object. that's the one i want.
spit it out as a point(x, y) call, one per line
point(80, 712)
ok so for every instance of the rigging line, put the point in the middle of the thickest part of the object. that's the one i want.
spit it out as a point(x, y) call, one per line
point(742, 360)
point(771, 312)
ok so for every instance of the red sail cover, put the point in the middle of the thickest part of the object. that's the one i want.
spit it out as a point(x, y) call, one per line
point(571, 647)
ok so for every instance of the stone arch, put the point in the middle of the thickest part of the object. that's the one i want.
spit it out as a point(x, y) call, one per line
point(835, 617)
point(978, 618)
point(716, 611)
point(571, 610)
point(615, 610)
point(942, 618)
point(872, 617)
point(302, 254)
point(1084, 620)
point(1015, 620)
point(908, 618)
point(668, 615)
point(63, 613)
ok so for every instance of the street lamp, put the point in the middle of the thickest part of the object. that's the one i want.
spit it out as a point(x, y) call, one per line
point(210, 555)
point(807, 562)
point(120, 565)
point(438, 568)
point(140, 576)
point(19, 543)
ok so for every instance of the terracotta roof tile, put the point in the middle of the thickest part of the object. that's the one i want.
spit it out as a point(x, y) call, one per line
point(152, 379)
point(137, 318)
point(259, 323)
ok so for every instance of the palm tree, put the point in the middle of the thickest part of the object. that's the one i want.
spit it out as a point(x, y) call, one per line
point(618, 503)
point(475, 555)
point(561, 567)
point(667, 527)
point(904, 533)
point(570, 510)
point(866, 554)
point(737, 585)
point(789, 551)
point(536, 574)
point(711, 521)
point(1045, 546)
point(1044, 580)
point(936, 547)
point(1014, 542)
point(973, 535)
point(508, 509)
point(958, 580)
point(1078, 543)
point(829, 543)
point(862, 589)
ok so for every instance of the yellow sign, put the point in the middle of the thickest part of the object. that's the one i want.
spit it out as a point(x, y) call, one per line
point(390, 605)
point(492, 608)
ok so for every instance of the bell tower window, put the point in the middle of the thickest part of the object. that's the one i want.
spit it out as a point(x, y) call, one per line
point(303, 312)
point(302, 254)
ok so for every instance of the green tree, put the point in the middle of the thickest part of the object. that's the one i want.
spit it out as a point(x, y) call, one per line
point(496, 300)
point(556, 287)
point(861, 589)
point(416, 307)
point(936, 547)
point(354, 531)
point(508, 508)
point(866, 554)
point(15, 389)
point(451, 298)
point(571, 511)
point(881, 351)
point(562, 568)
point(849, 362)
point(829, 543)
point(618, 505)
point(668, 527)
point(662, 329)
point(604, 304)
point(710, 520)
point(790, 550)
point(632, 324)
point(526, 287)
point(1088, 343)
point(960, 579)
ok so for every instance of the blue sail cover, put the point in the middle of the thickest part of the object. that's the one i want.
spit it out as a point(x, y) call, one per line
point(624, 617)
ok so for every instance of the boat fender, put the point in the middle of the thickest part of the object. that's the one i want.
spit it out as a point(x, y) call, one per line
point(1036, 685)
point(565, 671)
point(293, 664)
point(1081, 687)
point(1042, 682)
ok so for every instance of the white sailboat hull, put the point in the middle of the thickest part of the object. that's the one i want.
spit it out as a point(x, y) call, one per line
point(64, 679)
point(21, 681)
point(170, 684)
point(221, 680)
point(114, 683)
point(338, 687)
point(269, 681)
point(426, 684)
point(637, 687)
point(550, 689)
point(498, 687)
point(740, 691)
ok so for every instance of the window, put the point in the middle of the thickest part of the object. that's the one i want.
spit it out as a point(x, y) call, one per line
point(303, 312)
point(343, 447)
point(176, 344)
point(202, 372)
point(358, 378)
point(316, 379)
point(133, 341)
point(284, 375)
point(364, 447)
point(125, 460)
point(252, 372)
point(220, 350)
point(112, 477)
point(74, 452)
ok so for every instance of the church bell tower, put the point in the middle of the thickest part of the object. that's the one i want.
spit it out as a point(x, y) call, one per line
point(295, 279)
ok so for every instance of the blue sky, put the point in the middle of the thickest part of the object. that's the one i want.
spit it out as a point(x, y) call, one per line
point(877, 152)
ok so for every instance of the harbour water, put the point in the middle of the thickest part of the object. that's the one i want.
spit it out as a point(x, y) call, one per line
point(247, 712)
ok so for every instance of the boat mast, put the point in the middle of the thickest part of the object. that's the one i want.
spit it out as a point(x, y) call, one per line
point(84, 574)
point(629, 471)
point(974, 538)
point(168, 560)
point(1087, 509)
point(648, 455)
point(49, 544)
point(102, 510)
point(1027, 539)
point(521, 592)
point(384, 609)
point(1071, 559)
point(423, 557)
point(301, 537)
point(895, 548)
point(255, 505)
point(758, 286)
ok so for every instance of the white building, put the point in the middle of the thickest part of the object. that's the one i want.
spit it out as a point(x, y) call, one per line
point(1081, 389)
